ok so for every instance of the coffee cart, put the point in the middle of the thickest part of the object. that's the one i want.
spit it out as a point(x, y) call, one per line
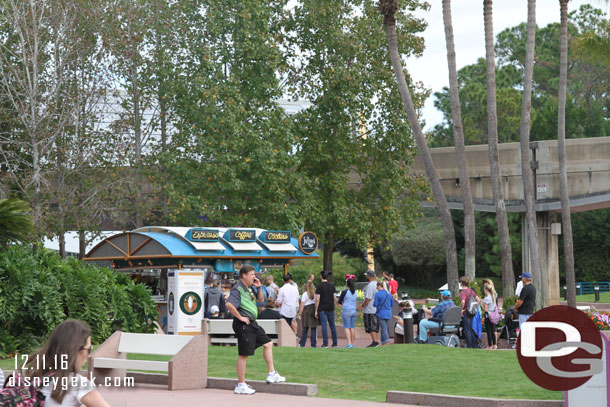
point(174, 262)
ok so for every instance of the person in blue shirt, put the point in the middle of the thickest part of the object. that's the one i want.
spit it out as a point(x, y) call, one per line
point(435, 313)
point(383, 303)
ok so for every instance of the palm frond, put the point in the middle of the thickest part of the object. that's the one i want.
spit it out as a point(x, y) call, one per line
point(15, 221)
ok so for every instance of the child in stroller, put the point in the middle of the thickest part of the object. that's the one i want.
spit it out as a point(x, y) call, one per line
point(511, 328)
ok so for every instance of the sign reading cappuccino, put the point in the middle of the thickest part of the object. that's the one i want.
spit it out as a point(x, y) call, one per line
point(204, 235)
point(308, 242)
point(276, 237)
point(238, 235)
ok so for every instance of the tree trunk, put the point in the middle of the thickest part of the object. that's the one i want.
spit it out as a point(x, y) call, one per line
point(61, 237)
point(528, 187)
point(161, 96)
point(508, 279)
point(138, 144)
point(458, 137)
point(329, 247)
point(82, 244)
point(388, 9)
point(37, 182)
point(370, 256)
point(568, 248)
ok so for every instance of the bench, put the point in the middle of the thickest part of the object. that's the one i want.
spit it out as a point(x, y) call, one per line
point(187, 369)
point(220, 331)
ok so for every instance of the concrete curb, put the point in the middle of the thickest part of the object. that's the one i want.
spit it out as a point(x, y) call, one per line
point(437, 400)
point(293, 389)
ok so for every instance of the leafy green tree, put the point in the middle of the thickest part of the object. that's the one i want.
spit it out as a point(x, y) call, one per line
point(591, 254)
point(418, 253)
point(232, 159)
point(587, 87)
point(353, 145)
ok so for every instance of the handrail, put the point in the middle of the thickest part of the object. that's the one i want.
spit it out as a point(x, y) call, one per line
point(587, 287)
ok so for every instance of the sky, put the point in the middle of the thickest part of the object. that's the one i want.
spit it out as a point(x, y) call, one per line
point(467, 17)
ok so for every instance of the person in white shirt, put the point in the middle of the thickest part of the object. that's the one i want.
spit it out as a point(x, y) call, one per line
point(288, 301)
point(67, 350)
point(519, 288)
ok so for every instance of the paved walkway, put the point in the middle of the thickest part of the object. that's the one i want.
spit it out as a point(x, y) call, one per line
point(159, 396)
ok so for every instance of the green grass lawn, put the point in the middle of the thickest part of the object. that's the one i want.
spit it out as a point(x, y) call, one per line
point(366, 374)
point(603, 297)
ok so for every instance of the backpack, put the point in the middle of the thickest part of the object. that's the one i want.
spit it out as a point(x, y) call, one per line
point(21, 395)
point(494, 316)
point(472, 306)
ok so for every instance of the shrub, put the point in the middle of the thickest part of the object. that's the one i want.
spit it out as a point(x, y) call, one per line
point(38, 290)
point(508, 302)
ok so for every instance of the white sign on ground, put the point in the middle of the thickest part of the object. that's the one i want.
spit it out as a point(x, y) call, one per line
point(594, 392)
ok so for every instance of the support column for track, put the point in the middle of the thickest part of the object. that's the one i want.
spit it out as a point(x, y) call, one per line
point(548, 242)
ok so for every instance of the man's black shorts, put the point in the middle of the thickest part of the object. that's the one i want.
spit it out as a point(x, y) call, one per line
point(249, 337)
point(289, 320)
point(371, 324)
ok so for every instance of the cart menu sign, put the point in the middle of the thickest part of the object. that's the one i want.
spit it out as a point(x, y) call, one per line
point(272, 236)
point(242, 235)
point(203, 235)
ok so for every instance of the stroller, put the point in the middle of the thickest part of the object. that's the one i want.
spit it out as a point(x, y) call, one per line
point(510, 329)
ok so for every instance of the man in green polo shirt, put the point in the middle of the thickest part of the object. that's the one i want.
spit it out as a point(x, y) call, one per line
point(242, 305)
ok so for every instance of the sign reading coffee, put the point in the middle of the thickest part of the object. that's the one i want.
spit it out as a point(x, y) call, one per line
point(276, 237)
point(237, 235)
point(204, 235)
point(308, 242)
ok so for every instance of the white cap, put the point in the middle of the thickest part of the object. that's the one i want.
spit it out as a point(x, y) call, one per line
point(213, 309)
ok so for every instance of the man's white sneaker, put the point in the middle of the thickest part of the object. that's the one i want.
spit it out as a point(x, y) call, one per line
point(244, 388)
point(275, 378)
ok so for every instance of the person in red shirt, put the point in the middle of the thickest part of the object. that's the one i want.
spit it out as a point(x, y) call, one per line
point(393, 287)
point(465, 294)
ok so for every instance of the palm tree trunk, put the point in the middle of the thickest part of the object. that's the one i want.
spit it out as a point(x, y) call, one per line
point(568, 248)
point(388, 9)
point(327, 256)
point(508, 279)
point(526, 170)
point(458, 137)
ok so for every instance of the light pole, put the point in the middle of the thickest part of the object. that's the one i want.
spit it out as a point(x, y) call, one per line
point(596, 291)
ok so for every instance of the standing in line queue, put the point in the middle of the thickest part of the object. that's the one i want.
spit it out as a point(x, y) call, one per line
point(242, 305)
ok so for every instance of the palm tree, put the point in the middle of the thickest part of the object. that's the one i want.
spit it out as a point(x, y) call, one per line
point(596, 45)
point(458, 137)
point(508, 278)
point(388, 9)
point(568, 246)
point(526, 170)
point(15, 221)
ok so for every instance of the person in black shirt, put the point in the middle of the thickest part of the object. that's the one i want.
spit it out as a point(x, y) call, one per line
point(268, 312)
point(527, 299)
point(326, 298)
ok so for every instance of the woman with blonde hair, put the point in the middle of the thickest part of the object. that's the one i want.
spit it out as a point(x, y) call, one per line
point(65, 353)
point(489, 282)
point(490, 308)
point(307, 311)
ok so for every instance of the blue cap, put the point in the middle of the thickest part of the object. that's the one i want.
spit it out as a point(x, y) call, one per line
point(526, 275)
point(446, 293)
